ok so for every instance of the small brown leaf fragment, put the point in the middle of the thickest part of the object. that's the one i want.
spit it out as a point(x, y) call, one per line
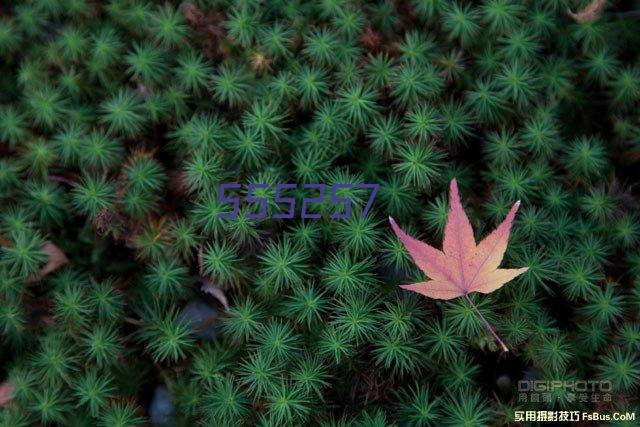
point(260, 62)
point(6, 392)
point(590, 12)
point(370, 39)
point(5, 242)
point(209, 288)
point(103, 219)
point(192, 14)
point(55, 259)
point(207, 24)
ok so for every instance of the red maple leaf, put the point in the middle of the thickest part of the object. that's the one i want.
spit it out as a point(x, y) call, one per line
point(462, 266)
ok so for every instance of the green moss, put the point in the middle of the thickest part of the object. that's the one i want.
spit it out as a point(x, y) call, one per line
point(119, 120)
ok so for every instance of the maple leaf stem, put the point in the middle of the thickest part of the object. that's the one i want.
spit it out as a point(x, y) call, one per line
point(486, 324)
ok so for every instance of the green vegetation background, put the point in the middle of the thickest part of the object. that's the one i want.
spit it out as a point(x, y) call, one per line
point(119, 120)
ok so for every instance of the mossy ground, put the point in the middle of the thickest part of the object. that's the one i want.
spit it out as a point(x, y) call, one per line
point(120, 119)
